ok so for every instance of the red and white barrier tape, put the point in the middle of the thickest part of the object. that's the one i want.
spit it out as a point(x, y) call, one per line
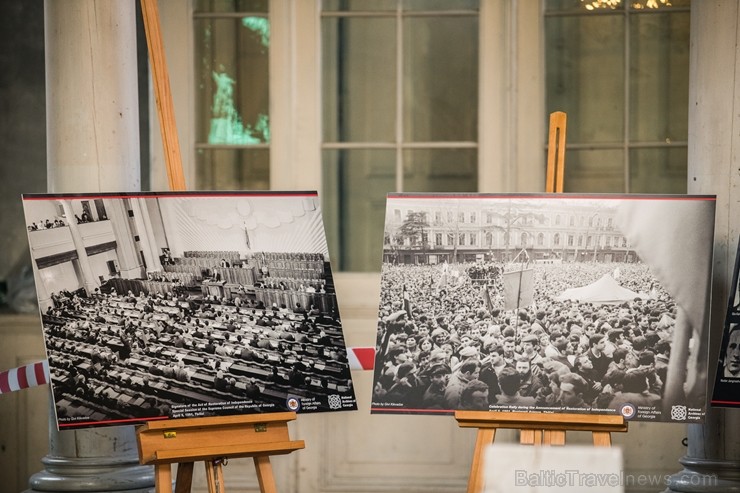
point(24, 377)
point(360, 358)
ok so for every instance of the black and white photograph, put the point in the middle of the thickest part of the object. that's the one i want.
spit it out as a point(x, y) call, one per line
point(548, 303)
point(727, 379)
point(178, 305)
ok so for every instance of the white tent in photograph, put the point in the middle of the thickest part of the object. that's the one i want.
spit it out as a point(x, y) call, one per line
point(606, 291)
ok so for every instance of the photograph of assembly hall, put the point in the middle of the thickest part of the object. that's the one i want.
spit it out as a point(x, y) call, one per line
point(175, 305)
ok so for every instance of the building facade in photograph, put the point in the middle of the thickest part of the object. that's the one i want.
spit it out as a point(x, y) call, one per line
point(471, 232)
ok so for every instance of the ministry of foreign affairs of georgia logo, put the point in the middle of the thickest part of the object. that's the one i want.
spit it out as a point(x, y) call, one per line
point(293, 403)
point(678, 413)
point(628, 411)
point(335, 402)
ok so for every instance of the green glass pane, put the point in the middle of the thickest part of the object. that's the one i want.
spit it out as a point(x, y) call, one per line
point(440, 82)
point(440, 170)
point(232, 169)
point(355, 184)
point(359, 79)
point(585, 75)
point(230, 6)
point(232, 80)
point(358, 5)
point(659, 82)
point(440, 5)
point(594, 171)
point(661, 170)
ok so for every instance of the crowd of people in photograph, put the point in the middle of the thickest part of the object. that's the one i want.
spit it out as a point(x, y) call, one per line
point(443, 345)
point(46, 224)
point(118, 355)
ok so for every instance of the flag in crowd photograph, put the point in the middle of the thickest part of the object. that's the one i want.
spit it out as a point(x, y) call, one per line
point(727, 379)
point(545, 303)
point(178, 305)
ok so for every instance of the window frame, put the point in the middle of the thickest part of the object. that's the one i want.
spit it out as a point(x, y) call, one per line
point(511, 127)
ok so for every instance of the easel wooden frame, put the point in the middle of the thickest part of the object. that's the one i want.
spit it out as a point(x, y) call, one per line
point(538, 429)
point(211, 439)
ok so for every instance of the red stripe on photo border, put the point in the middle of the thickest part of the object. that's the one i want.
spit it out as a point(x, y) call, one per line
point(83, 424)
point(153, 195)
point(553, 196)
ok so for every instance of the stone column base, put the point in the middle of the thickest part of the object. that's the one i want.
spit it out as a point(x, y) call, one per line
point(705, 476)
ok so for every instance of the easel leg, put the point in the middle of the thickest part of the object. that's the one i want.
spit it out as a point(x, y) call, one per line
point(215, 477)
point(184, 480)
point(162, 478)
point(602, 439)
point(264, 474)
point(485, 438)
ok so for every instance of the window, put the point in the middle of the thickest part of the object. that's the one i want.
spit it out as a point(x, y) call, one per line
point(400, 106)
point(232, 43)
point(359, 98)
point(437, 239)
point(473, 241)
point(621, 75)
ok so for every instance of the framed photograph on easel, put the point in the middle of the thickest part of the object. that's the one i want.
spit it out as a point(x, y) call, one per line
point(186, 305)
point(545, 303)
point(727, 380)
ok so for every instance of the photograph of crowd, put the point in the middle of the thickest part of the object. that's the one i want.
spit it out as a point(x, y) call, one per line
point(177, 305)
point(727, 379)
point(545, 303)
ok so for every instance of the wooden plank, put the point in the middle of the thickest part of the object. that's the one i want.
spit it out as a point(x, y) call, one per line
point(163, 478)
point(514, 420)
point(527, 437)
point(602, 439)
point(484, 438)
point(556, 153)
point(265, 475)
point(162, 94)
point(218, 420)
point(184, 479)
point(231, 451)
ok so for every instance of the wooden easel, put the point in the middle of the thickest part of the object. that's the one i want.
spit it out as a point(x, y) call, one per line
point(538, 429)
point(211, 439)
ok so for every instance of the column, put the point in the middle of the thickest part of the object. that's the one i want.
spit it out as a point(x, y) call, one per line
point(129, 261)
point(144, 242)
point(92, 145)
point(88, 278)
point(44, 297)
point(712, 462)
point(152, 240)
